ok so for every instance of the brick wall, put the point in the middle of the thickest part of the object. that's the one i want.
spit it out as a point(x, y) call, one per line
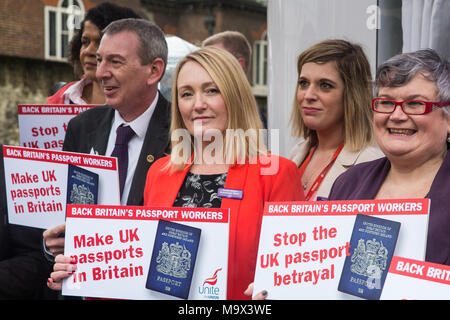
point(21, 28)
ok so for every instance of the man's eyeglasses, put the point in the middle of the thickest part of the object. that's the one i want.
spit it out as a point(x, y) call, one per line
point(414, 107)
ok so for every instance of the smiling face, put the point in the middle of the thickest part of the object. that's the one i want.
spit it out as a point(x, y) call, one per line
point(415, 138)
point(90, 40)
point(199, 99)
point(320, 97)
point(125, 80)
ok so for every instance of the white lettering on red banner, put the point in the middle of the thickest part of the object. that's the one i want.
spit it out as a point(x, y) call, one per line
point(60, 157)
point(349, 207)
point(420, 269)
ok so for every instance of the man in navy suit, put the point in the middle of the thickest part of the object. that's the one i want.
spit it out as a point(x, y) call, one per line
point(131, 60)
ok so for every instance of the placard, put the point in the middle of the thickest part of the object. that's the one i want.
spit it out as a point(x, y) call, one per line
point(113, 247)
point(410, 279)
point(36, 183)
point(303, 245)
point(44, 126)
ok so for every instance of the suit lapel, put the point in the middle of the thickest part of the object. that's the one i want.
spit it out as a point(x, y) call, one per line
point(300, 151)
point(100, 136)
point(155, 144)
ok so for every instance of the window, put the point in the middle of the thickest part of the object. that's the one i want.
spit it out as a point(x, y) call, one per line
point(260, 66)
point(60, 25)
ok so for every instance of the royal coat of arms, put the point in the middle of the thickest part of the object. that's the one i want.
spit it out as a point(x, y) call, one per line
point(173, 260)
point(81, 195)
point(369, 259)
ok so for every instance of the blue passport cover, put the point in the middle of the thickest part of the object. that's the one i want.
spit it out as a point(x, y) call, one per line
point(372, 246)
point(82, 186)
point(173, 258)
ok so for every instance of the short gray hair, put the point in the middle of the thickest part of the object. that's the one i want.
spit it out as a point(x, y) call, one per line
point(400, 69)
point(152, 42)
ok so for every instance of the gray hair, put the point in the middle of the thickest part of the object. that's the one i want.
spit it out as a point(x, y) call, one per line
point(152, 42)
point(400, 69)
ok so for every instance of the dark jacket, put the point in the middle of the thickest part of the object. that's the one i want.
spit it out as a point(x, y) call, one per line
point(90, 130)
point(364, 180)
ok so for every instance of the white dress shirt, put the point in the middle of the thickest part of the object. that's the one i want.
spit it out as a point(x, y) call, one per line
point(139, 126)
point(75, 92)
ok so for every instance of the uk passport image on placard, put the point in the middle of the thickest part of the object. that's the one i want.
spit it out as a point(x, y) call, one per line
point(372, 246)
point(173, 258)
point(82, 186)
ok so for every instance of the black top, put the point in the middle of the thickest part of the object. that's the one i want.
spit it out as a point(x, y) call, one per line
point(200, 191)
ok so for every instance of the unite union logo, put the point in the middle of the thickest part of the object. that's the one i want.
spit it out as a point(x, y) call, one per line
point(208, 289)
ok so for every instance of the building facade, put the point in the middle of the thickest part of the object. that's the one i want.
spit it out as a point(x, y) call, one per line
point(34, 36)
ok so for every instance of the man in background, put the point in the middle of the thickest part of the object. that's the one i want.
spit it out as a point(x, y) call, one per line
point(236, 44)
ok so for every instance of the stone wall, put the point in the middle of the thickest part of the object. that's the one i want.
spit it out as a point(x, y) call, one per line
point(25, 81)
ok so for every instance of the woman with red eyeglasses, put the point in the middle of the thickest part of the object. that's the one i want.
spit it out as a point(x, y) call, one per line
point(412, 126)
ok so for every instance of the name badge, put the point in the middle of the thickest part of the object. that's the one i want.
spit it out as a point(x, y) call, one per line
point(230, 193)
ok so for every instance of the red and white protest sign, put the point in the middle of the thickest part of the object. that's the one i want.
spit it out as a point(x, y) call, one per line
point(36, 183)
point(414, 279)
point(303, 245)
point(44, 126)
point(113, 245)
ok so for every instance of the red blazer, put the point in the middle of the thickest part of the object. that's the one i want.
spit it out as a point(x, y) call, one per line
point(162, 187)
point(58, 97)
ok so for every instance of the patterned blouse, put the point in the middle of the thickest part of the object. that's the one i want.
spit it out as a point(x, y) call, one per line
point(200, 191)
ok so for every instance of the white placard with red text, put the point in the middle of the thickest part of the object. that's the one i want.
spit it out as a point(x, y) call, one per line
point(303, 245)
point(36, 183)
point(113, 247)
point(416, 280)
point(44, 126)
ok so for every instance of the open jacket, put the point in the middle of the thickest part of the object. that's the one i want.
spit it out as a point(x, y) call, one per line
point(364, 181)
point(162, 187)
point(345, 160)
point(89, 131)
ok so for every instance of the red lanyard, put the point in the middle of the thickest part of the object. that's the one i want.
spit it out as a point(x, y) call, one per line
point(322, 175)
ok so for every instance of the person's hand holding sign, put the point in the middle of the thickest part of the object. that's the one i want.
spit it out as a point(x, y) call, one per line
point(64, 267)
point(54, 239)
point(259, 296)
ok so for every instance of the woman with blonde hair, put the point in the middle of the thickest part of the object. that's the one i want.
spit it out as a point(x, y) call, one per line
point(217, 146)
point(332, 113)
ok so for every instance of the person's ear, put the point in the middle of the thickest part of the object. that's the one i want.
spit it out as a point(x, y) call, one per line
point(156, 71)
